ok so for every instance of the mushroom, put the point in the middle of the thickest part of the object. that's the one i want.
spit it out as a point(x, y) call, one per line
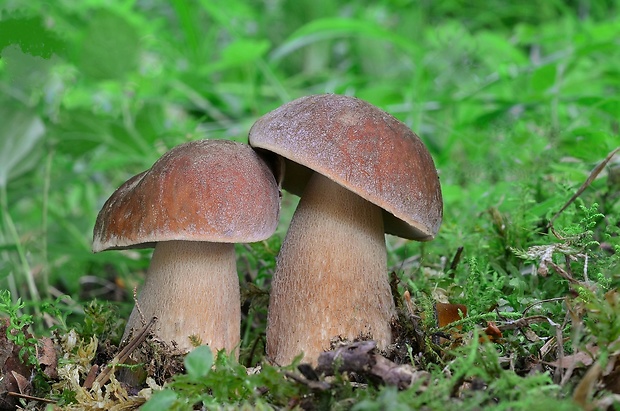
point(360, 173)
point(195, 202)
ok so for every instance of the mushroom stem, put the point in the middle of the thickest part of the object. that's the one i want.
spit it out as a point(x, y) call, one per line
point(193, 289)
point(331, 277)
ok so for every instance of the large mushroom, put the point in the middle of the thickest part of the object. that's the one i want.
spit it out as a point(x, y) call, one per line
point(195, 202)
point(360, 173)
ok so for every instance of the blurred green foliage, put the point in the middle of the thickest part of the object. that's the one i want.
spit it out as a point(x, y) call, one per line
point(517, 103)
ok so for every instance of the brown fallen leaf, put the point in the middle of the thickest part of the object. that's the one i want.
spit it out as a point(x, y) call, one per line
point(14, 371)
point(580, 359)
point(492, 332)
point(611, 375)
point(48, 357)
point(584, 390)
point(23, 384)
point(446, 314)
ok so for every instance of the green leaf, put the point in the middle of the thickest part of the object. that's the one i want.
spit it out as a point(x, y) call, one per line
point(240, 53)
point(110, 48)
point(161, 400)
point(496, 49)
point(609, 105)
point(333, 28)
point(20, 131)
point(587, 143)
point(31, 34)
point(79, 131)
point(198, 362)
point(543, 78)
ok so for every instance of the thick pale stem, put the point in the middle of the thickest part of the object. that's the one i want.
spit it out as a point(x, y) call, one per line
point(193, 289)
point(331, 277)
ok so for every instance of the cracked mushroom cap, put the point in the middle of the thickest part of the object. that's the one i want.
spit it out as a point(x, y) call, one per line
point(205, 190)
point(362, 148)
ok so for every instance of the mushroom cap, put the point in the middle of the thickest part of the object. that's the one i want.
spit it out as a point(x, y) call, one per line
point(205, 190)
point(362, 148)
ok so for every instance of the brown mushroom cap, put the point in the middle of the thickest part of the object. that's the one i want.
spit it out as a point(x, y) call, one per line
point(362, 148)
point(205, 190)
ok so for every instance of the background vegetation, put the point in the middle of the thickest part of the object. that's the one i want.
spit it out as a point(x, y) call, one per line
point(517, 102)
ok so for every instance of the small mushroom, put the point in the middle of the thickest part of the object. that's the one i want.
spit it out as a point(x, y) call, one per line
point(360, 173)
point(195, 202)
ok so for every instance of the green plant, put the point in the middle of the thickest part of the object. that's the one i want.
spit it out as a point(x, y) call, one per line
point(213, 381)
point(18, 323)
point(516, 102)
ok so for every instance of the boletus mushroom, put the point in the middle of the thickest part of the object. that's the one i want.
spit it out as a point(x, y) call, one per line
point(194, 203)
point(360, 173)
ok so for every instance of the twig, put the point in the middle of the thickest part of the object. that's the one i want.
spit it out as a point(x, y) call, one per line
point(30, 397)
point(90, 378)
point(563, 273)
point(314, 385)
point(585, 185)
point(526, 322)
point(456, 259)
point(123, 355)
point(557, 376)
point(135, 301)
point(253, 350)
point(549, 300)
point(413, 318)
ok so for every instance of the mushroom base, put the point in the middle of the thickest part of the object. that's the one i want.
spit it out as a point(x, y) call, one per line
point(193, 290)
point(331, 278)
